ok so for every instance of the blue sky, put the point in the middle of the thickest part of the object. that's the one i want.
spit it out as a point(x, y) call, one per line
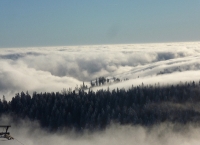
point(65, 22)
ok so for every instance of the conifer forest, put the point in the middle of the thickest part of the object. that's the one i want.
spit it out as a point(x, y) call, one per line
point(144, 105)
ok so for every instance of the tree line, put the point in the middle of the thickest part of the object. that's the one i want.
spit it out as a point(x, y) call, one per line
point(140, 105)
point(102, 81)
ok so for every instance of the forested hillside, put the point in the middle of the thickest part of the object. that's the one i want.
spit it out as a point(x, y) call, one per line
point(144, 105)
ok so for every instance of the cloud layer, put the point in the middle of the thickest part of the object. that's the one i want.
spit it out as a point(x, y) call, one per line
point(54, 68)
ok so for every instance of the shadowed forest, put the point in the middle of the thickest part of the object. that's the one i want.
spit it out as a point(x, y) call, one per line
point(144, 105)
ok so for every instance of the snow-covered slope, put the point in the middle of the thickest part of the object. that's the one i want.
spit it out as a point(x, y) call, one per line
point(165, 72)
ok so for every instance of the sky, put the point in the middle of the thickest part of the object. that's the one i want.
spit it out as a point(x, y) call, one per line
point(65, 22)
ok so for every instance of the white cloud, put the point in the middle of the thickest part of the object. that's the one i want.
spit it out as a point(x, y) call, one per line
point(53, 68)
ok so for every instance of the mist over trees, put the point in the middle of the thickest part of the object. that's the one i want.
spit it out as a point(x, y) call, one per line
point(140, 105)
point(103, 80)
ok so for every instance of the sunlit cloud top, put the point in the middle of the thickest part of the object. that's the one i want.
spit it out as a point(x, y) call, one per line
point(54, 68)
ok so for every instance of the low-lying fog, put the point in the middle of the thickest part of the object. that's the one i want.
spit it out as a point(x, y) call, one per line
point(166, 134)
point(54, 68)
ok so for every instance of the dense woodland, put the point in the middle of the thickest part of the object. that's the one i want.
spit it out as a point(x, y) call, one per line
point(140, 105)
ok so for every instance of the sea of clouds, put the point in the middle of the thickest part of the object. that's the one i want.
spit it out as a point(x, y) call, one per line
point(51, 69)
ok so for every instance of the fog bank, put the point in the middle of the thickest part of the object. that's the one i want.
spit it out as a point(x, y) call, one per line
point(167, 134)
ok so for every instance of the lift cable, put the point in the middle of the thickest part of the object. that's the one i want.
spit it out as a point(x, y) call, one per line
point(19, 141)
